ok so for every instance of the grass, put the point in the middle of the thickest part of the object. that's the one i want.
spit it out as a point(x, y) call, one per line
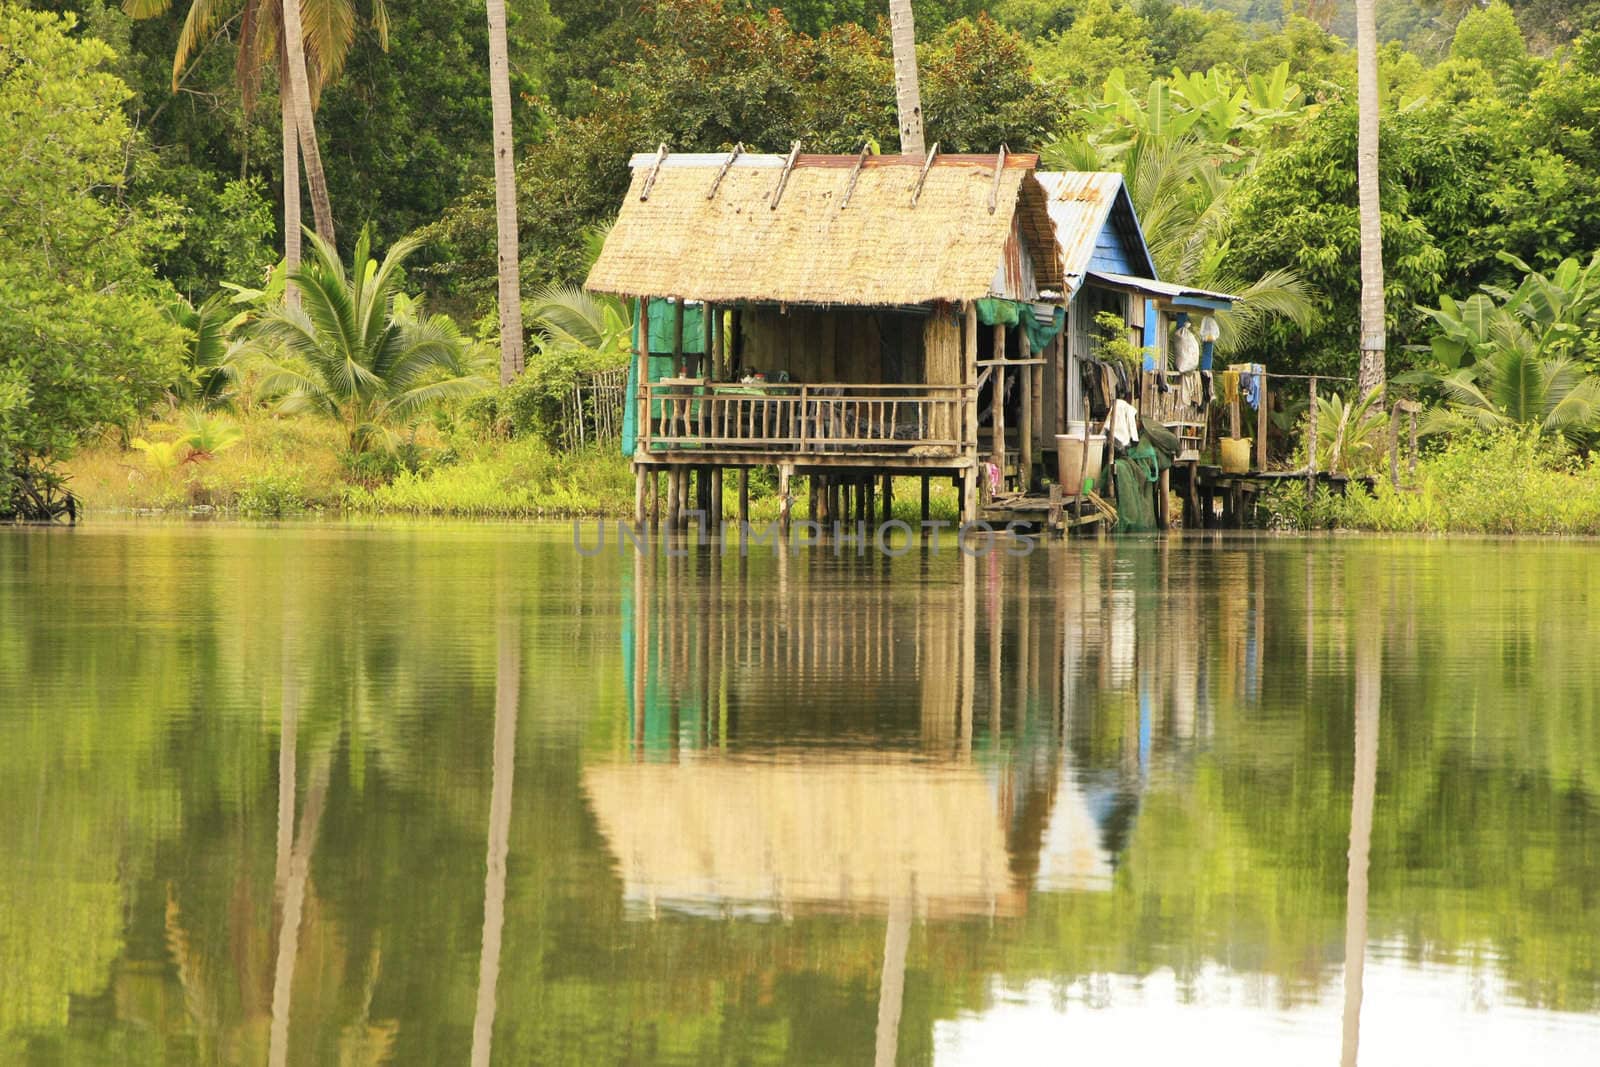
point(1501, 484)
point(283, 466)
point(298, 465)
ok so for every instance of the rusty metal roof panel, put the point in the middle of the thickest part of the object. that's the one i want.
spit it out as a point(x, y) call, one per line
point(1082, 204)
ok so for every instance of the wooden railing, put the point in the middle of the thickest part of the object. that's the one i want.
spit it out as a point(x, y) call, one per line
point(692, 415)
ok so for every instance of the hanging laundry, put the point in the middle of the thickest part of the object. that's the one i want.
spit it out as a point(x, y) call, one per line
point(1228, 386)
point(1124, 423)
point(1250, 385)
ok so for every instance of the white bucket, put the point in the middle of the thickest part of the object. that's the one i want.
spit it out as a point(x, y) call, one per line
point(1069, 455)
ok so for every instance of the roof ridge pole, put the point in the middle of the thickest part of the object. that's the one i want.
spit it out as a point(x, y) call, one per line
point(927, 165)
point(722, 173)
point(650, 180)
point(783, 179)
point(999, 168)
point(855, 172)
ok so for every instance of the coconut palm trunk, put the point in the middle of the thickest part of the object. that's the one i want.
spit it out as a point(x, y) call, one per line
point(907, 93)
point(1372, 373)
point(291, 193)
point(505, 197)
point(299, 86)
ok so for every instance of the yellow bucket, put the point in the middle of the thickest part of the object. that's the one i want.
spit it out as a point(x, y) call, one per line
point(1236, 455)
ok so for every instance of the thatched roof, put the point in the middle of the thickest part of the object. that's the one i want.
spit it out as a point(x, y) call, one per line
point(847, 834)
point(682, 231)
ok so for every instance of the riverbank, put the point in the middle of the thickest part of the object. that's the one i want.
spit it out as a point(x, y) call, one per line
point(279, 467)
point(1502, 484)
point(290, 467)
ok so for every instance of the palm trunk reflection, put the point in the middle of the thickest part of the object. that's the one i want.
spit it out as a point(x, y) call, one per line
point(508, 676)
point(1369, 692)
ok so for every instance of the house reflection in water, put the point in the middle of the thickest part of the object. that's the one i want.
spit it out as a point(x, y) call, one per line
point(1012, 711)
point(934, 736)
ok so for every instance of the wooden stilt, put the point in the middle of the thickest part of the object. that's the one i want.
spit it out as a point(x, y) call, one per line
point(925, 498)
point(744, 495)
point(870, 499)
point(1025, 426)
point(716, 500)
point(639, 502)
point(888, 497)
point(811, 498)
point(969, 495)
point(654, 489)
point(674, 499)
point(997, 417)
point(785, 498)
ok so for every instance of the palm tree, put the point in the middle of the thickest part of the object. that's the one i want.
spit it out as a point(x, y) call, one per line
point(1515, 386)
point(505, 197)
point(1372, 373)
point(359, 350)
point(264, 28)
point(908, 95)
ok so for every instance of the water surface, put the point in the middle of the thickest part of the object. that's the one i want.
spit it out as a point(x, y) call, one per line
point(445, 794)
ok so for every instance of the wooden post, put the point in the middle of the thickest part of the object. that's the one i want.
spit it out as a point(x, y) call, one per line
point(1394, 446)
point(969, 495)
point(1025, 427)
point(1083, 463)
point(1311, 447)
point(888, 496)
point(870, 500)
point(812, 497)
point(997, 418)
point(677, 337)
point(654, 489)
point(969, 432)
point(1263, 421)
point(744, 495)
point(716, 501)
point(642, 416)
point(638, 495)
point(674, 498)
point(785, 500)
point(1164, 498)
point(1411, 457)
point(925, 500)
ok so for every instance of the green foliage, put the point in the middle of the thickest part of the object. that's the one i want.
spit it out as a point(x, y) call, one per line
point(83, 338)
point(1499, 483)
point(1113, 343)
point(518, 478)
point(358, 351)
point(1503, 359)
point(271, 495)
point(1297, 210)
point(1351, 438)
point(705, 75)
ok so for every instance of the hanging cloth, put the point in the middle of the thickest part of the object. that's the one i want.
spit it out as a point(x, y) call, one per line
point(1124, 423)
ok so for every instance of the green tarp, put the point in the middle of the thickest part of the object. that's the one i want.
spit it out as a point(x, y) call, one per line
point(662, 325)
point(1017, 313)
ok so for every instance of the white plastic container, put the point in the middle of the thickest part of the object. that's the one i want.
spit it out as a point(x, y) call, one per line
point(1069, 455)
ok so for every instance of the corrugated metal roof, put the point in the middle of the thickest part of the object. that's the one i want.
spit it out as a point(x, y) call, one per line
point(1161, 290)
point(1081, 204)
